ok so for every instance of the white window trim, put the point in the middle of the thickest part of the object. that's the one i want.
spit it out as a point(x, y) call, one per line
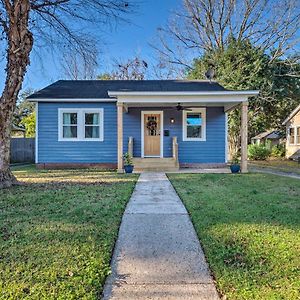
point(80, 124)
point(296, 128)
point(292, 143)
point(203, 125)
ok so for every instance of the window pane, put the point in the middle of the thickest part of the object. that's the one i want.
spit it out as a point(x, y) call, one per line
point(298, 135)
point(70, 118)
point(92, 119)
point(292, 135)
point(92, 132)
point(70, 131)
point(292, 131)
point(194, 119)
point(193, 132)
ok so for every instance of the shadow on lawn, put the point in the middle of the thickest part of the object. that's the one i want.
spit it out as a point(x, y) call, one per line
point(63, 178)
point(249, 228)
point(57, 232)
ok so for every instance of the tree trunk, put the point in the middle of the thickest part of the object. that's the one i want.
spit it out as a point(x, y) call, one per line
point(20, 43)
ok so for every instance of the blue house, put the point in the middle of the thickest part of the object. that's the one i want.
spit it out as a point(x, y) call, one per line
point(163, 124)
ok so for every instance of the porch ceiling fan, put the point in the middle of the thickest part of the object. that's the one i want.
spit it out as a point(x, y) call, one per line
point(179, 107)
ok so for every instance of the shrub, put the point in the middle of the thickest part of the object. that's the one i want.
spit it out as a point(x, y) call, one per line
point(235, 159)
point(258, 152)
point(127, 159)
point(278, 151)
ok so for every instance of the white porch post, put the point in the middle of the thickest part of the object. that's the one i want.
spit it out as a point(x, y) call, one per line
point(244, 137)
point(120, 137)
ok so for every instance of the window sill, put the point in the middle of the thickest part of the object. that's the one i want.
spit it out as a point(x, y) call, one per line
point(194, 140)
point(80, 140)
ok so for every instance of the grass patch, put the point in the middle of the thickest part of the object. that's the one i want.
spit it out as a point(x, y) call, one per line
point(57, 232)
point(287, 166)
point(249, 228)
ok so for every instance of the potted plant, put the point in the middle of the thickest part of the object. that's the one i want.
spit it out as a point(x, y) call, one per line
point(128, 164)
point(235, 166)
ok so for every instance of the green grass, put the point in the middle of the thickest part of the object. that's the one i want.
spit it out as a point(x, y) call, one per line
point(249, 228)
point(57, 232)
point(287, 166)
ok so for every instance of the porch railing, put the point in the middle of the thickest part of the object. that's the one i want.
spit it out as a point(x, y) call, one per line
point(130, 146)
point(175, 150)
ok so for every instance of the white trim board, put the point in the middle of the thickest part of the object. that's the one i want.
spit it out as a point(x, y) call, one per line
point(161, 113)
point(73, 100)
point(190, 99)
point(188, 93)
point(291, 115)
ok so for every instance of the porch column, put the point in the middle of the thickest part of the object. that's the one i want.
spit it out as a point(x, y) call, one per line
point(244, 137)
point(120, 137)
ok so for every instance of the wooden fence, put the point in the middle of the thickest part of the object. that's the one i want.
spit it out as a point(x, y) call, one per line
point(22, 150)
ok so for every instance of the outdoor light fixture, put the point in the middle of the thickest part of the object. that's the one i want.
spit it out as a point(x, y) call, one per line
point(172, 120)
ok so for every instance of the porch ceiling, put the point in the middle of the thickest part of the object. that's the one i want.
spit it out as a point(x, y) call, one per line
point(226, 99)
point(184, 104)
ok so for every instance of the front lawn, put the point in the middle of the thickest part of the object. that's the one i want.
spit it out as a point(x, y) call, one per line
point(249, 228)
point(57, 232)
point(288, 166)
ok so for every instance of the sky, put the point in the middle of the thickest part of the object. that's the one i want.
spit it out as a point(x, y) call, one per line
point(122, 42)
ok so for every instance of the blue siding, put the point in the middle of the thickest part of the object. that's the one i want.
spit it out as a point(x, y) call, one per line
point(210, 151)
point(50, 150)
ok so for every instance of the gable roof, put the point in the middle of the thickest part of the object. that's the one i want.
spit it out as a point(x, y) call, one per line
point(270, 134)
point(292, 114)
point(17, 128)
point(98, 89)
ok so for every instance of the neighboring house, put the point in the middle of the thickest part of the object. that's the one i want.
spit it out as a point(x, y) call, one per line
point(271, 136)
point(292, 123)
point(164, 123)
point(17, 131)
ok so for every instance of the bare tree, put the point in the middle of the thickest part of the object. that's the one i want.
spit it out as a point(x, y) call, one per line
point(204, 25)
point(132, 69)
point(80, 67)
point(64, 23)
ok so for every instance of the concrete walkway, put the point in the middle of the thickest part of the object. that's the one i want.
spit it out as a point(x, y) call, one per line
point(158, 254)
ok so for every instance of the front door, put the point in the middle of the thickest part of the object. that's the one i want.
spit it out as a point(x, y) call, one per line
point(152, 139)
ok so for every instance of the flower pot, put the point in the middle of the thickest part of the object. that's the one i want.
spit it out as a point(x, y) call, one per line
point(128, 169)
point(235, 168)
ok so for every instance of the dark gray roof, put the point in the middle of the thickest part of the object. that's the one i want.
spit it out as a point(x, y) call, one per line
point(271, 134)
point(93, 89)
point(17, 128)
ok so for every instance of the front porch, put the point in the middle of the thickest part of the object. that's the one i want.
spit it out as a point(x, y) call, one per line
point(173, 144)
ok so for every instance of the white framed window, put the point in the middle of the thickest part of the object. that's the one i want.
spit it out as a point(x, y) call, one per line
point(80, 124)
point(194, 124)
point(297, 135)
point(291, 135)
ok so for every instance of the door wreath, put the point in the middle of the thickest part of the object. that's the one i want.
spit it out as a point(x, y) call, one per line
point(151, 125)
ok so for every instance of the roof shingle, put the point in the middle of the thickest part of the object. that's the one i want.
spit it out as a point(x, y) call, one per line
point(98, 89)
